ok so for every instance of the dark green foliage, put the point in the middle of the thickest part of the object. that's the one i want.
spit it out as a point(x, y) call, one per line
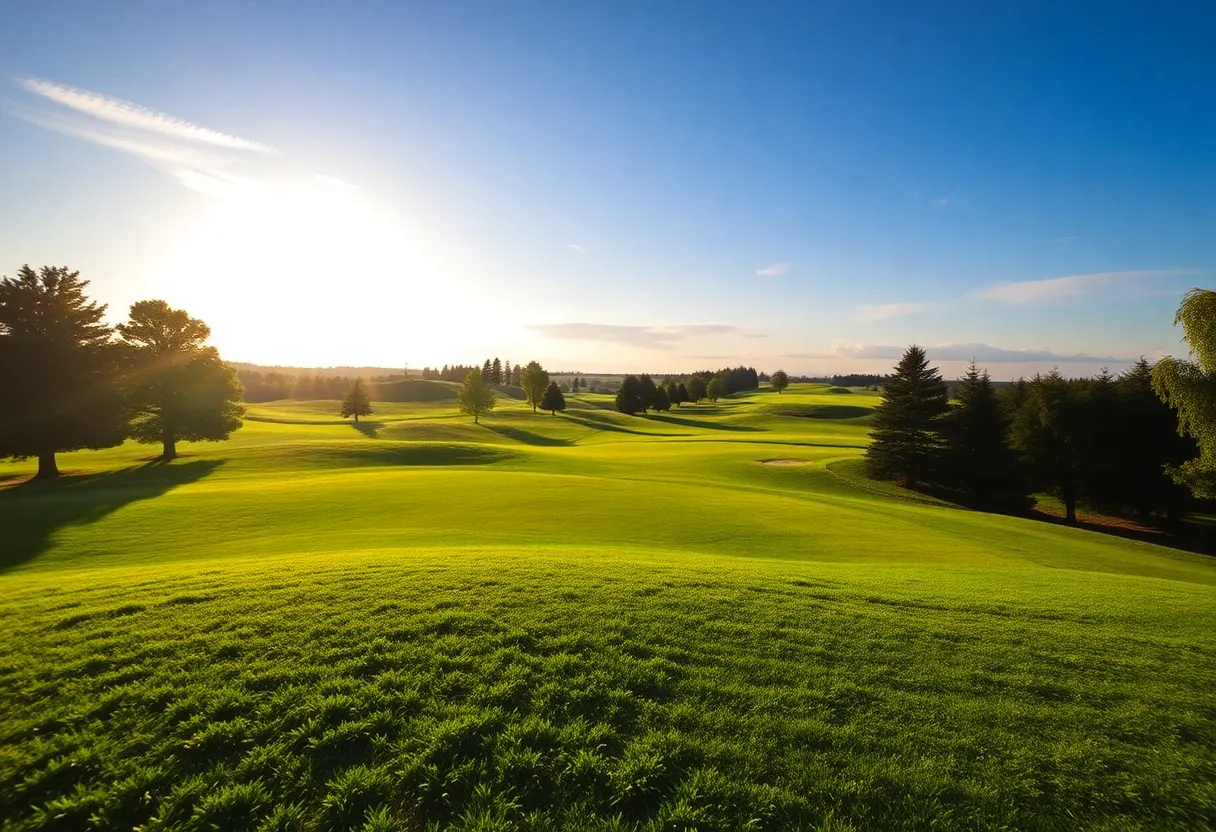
point(715, 389)
point(553, 399)
point(357, 402)
point(696, 389)
point(779, 381)
point(629, 397)
point(534, 380)
point(1148, 445)
point(177, 388)
point(683, 392)
point(476, 396)
point(487, 372)
point(662, 401)
point(1052, 431)
point(904, 444)
point(496, 372)
point(58, 369)
point(978, 467)
point(647, 390)
point(1189, 387)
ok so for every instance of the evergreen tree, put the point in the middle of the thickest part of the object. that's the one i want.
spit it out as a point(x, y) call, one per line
point(696, 389)
point(978, 465)
point(487, 372)
point(1189, 387)
point(58, 369)
point(496, 371)
point(904, 441)
point(179, 389)
point(574, 385)
point(779, 381)
point(553, 400)
point(715, 389)
point(476, 396)
point(506, 372)
point(1050, 432)
point(646, 391)
point(683, 393)
point(356, 402)
point(516, 376)
point(629, 397)
point(1149, 444)
point(534, 379)
point(661, 401)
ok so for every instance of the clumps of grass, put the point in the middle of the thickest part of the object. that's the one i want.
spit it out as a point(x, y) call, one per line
point(483, 692)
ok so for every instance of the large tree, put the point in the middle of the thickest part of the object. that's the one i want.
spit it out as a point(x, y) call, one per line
point(476, 396)
point(696, 389)
point(357, 402)
point(977, 463)
point(179, 389)
point(629, 397)
point(662, 399)
point(58, 370)
point(553, 399)
point(646, 391)
point(534, 379)
point(904, 442)
point(1052, 430)
point(779, 381)
point(715, 389)
point(496, 371)
point(1190, 388)
point(1149, 443)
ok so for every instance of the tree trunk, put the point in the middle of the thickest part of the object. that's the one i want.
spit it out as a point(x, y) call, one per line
point(476, 419)
point(46, 466)
point(169, 451)
point(1070, 508)
point(356, 417)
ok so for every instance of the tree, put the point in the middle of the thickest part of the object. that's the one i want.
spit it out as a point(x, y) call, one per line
point(715, 389)
point(629, 397)
point(476, 396)
point(978, 464)
point(179, 390)
point(1050, 431)
point(574, 385)
point(496, 371)
point(357, 403)
point(506, 372)
point(779, 381)
point(516, 372)
point(696, 389)
point(487, 372)
point(58, 369)
point(1189, 387)
point(904, 442)
point(534, 379)
point(683, 393)
point(661, 401)
point(553, 400)
point(674, 396)
point(646, 391)
point(1149, 445)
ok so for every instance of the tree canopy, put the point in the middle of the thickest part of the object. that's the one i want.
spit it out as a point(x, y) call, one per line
point(553, 400)
point(629, 396)
point(1189, 387)
point(58, 369)
point(476, 396)
point(357, 402)
point(178, 388)
point(533, 379)
point(715, 389)
point(779, 381)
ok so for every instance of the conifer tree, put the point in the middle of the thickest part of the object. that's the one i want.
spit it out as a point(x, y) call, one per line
point(58, 369)
point(646, 391)
point(476, 396)
point(1050, 430)
point(357, 402)
point(684, 395)
point(904, 442)
point(629, 397)
point(496, 371)
point(506, 372)
point(661, 401)
point(779, 381)
point(553, 399)
point(978, 464)
point(487, 372)
point(516, 373)
point(1149, 446)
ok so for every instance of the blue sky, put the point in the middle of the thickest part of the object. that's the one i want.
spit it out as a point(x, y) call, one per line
point(624, 186)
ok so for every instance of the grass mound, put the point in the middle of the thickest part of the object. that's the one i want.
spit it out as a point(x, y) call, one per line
point(820, 411)
point(838, 390)
point(588, 690)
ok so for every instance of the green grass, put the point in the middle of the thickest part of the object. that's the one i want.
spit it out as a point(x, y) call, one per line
point(587, 621)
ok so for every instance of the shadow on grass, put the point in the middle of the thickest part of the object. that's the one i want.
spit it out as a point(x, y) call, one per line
point(526, 436)
point(698, 423)
point(590, 420)
point(369, 429)
point(32, 512)
point(1184, 535)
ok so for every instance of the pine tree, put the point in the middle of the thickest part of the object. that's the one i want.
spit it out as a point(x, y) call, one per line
point(476, 396)
point(1150, 445)
point(978, 464)
point(179, 389)
point(904, 442)
point(496, 371)
point(357, 402)
point(506, 372)
point(487, 372)
point(516, 376)
point(779, 381)
point(661, 401)
point(534, 379)
point(58, 369)
point(553, 399)
point(1050, 430)
point(684, 395)
point(646, 392)
point(574, 385)
point(629, 398)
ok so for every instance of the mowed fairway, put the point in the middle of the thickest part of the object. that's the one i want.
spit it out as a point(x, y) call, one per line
point(699, 620)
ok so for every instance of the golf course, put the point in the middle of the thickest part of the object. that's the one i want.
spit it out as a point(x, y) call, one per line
point(706, 619)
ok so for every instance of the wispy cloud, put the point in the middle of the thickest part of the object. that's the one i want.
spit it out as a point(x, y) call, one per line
point(982, 353)
point(885, 311)
point(1077, 285)
point(651, 337)
point(126, 114)
point(576, 248)
point(776, 269)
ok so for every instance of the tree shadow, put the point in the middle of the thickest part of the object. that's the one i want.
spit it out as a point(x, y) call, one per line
point(1185, 535)
point(526, 436)
point(587, 421)
point(697, 423)
point(369, 429)
point(33, 511)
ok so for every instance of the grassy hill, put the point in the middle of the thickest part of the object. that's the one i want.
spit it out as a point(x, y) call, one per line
point(697, 620)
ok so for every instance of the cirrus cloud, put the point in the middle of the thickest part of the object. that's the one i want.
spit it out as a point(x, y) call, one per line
point(776, 269)
point(981, 353)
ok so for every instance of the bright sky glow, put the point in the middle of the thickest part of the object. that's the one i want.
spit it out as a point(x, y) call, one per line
point(809, 188)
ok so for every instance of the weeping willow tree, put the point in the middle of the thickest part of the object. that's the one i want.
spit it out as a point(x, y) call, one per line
point(1190, 388)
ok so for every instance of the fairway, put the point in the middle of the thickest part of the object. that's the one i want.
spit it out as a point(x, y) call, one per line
point(705, 619)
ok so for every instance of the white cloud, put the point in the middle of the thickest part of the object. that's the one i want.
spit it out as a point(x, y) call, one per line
point(575, 247)
point(981, 353)
point(776, 269)
point(1036, 291)
point(126, 114)
point(885, 311)
point(652, 337)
